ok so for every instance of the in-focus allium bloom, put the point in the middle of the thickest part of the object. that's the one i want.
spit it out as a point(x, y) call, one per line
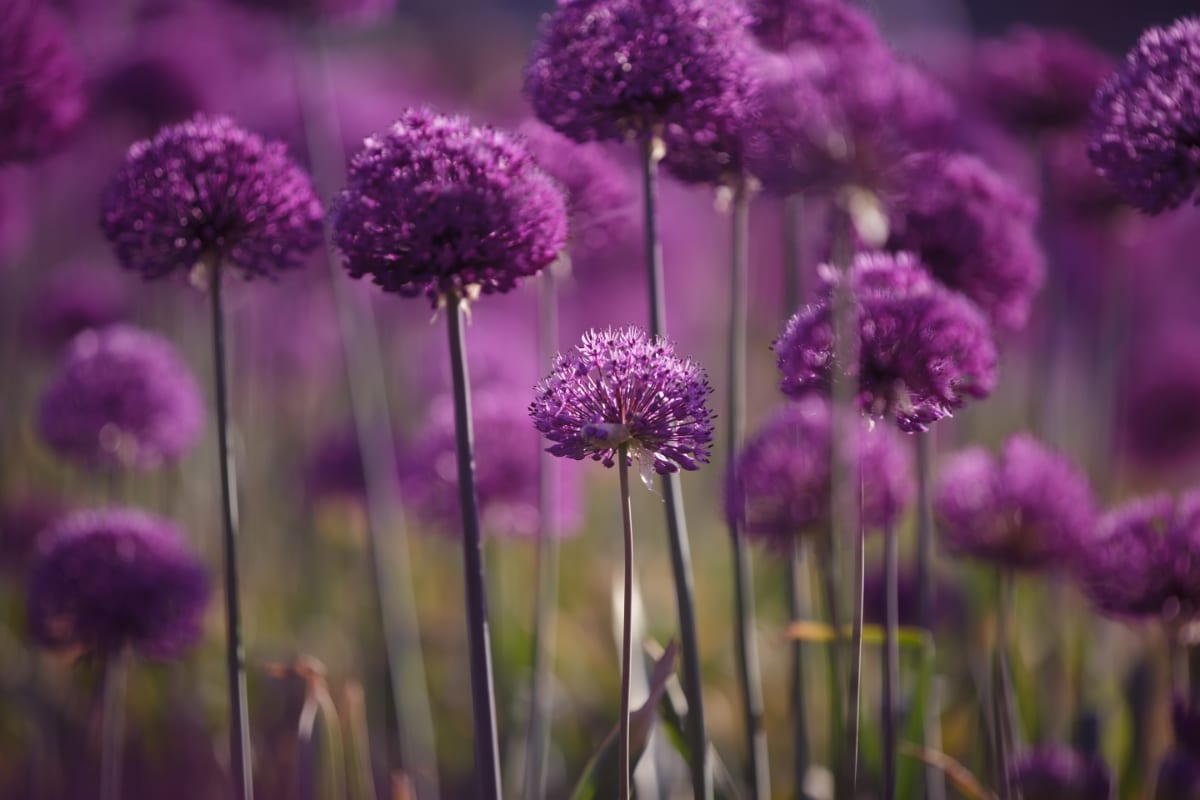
point(780, 485)
point(608, 69)
point(622, 387)
point(1060, 773)
point(1145, 133)
point(783, 24)
point(77, 298)
point(974, 230)
point(923, 348)
point(121, 397)
point(207, 189)
point(41, 82)
point(436, 206)
point(1029, 508)
point(1035, 80)
point(107, 579)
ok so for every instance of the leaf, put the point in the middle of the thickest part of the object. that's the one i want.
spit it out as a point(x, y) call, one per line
point(959, 776)
point(819, 632)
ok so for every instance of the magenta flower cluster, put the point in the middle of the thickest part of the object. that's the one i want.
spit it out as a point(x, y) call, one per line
point(1059, 773)
point(781, 25)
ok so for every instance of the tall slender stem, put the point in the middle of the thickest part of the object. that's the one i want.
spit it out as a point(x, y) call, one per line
point(854, 690)
point(626, 625)
point(677, 536)
point(112, 737)
point(1003, 686)
point(487, 754)
point(799, 611)
point(935, 779)
point(837, 700)
point(235, 657)
point(793, 249)
point(891, 657)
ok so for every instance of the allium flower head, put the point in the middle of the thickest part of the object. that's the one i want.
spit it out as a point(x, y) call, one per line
point(121, 397)
point(783, 24)
point(974, 230)
point(608, 69)
point(206, 189)
point(77, 298)
point(1185, 722)
point(22, 519)
point(1160, 411)
point(1029, 508)
point(108, 579)
point(436, 206)
point(1145, 133)
point(1060, 773)
point(948, 600)
point(923, 348)
point(622, 387)
point(1178, 776)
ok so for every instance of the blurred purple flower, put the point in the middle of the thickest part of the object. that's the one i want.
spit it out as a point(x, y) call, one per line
point(342, 11)
point(1178, 776)
point(289, 332)
point(104, 580)
point(335, 468)
point(784, 24)
point(1160, 412)
point(1060, 773)
point(76, 298)
point(150, 90)
point(948, 600)
point(1185, 722)
point(1074, 192)
point(22, 519)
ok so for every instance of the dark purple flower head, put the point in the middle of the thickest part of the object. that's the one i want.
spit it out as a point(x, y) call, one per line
point(975, 232)
point(74, 299)
point(622, 387)
point(151, 91)
point(1145, 135)
point(948, 599)
point(1185, 722)
point(206, 189)
point(22, 520)
point(1060, 773)
point(104, 580)
point(1160, 410)
point(121, 397)
point(783, 24)
point(41, 82)
point(923, 348)
point(1178, 776)
point(1035, 80)
point(436, 206)
point(335, 467)
point(1029, 508)
point(608, 69)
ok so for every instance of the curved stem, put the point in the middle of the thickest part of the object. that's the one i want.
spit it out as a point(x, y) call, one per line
point(623, 764)
point(891, 658)
point(799, 611)
point(112, 737)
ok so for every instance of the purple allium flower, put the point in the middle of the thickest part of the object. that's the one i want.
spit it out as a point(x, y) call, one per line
point(923, 348)
point(948, 600)
point(121, 397)
point(608, 69)
point(1029, 508)
point(113, 578)
point(22, 520)
point(1178, 776)
point(975, 232)
point(622, 387)
point(1145, 135)
point(1160, 412)
point(206, 189)
point(41, 82)
point(74, 299)
point(1060, 773)
point(1185, 722)
point(335, 467)
point(436, 206)
point(783, 24)
point(150, 90)
point(1035, 80)
point(780, 485)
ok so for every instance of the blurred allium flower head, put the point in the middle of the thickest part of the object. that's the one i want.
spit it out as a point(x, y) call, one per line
point(1033, 80)
point(1160, 412)
point(780, 484)
point(1060, 773)
point(41, 82)
point(22, 519)
point(105, 580)
point(436, 206)
point(924, 350)
point(1028, 508)
point(783, 24)
point(206, 189)
point(609, 69)
point(623, 387)
point(75, 298)
point(1074, 193)
point(1178, 776)
point(1185, 722)
point(150, 91)
point(121, 397)
point(334, 467)
point(949, 601)
point(1145, 133)
point(974, 230)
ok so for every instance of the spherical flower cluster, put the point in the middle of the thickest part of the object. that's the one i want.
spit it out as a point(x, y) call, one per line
point(607, 69)
point(77, 298)
point(207, 190)
point(1027, 509)
point(121, 397)
point(1060, 773)
point(779, 487)
point(923, 349)
point(436, 206)
point(783, 24)
point(974, 230)
point(1145, 133)
point(622, 387)
point(41, 83)
point(105, 580)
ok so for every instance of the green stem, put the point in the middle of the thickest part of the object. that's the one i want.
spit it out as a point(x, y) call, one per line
point(623, 763)
point(891, 658)
point(798, 606)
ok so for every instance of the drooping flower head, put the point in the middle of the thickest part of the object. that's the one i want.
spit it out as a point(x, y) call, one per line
point(206, 189)
point(121, 397)
point(108, 579)
point(1145, 132)
point(622, 387)
point(783, 24)
point(1028, 508)
point(1060, 773)
point(436, 206)
point(923, 348)
point(608, 69)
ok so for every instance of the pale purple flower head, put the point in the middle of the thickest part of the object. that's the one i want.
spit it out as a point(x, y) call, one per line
point(622, 387)
point(1145, 134)
point(1028, 508)
point(923, 348)
point(76, 298)
point(783, 24)
point(207, 189)
point(608, 69)
point(121, 397)
point(108, 579)
point(974, 230)
point(436, 206)
point(1059, 773)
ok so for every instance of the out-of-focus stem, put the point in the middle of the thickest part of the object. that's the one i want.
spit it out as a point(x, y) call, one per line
point(112, 737)
point(623, 764)
point(793, 250)
point(830, 585)
point(935, 779)
point(798, 607)
point(891, 658)
point(1002, 713)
